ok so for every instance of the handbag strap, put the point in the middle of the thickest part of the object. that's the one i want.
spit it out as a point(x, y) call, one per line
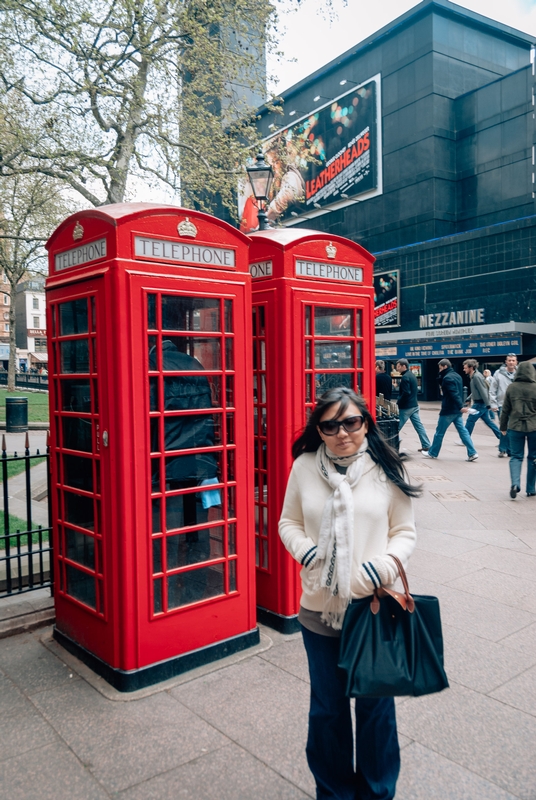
point(410, 603)
point(406, 600)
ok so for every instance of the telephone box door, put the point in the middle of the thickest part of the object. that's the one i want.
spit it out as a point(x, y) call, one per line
point(311, 333)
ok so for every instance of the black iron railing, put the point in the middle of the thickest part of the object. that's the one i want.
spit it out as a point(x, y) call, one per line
point(25, 549)
point(25, 380)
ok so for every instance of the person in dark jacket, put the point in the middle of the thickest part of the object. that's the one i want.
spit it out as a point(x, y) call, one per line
point(384, 384)
point(451, 411)
point(408, 407)
point(518, 417)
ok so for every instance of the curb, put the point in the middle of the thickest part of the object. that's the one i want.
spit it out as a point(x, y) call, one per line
point(32, 426)
point(27, 622)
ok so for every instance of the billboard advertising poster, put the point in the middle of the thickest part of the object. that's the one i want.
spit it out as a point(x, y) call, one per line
point(327, 159)
point(386, 299)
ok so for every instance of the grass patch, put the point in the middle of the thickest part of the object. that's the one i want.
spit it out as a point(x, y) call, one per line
point(16, 467)
point(37, 405)
point(16, 523)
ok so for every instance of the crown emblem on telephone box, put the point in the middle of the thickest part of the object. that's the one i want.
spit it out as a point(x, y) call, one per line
point(78, 232)
point(187, 228)
point(331, 250)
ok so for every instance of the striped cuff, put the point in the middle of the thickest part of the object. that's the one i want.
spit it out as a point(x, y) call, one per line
point(309, 556)
point(372, 574)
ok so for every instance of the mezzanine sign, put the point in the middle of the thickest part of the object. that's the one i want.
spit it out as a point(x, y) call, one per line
point(330, 272)
point(83, 254)
point(163, 249)
point(445, 319)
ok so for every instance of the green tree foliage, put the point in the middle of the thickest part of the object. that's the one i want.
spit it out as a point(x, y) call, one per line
point(123, 91)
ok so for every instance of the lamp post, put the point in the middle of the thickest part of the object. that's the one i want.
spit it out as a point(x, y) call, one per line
point(260, 176)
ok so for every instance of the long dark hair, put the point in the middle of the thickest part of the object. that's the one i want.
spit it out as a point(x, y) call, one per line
point(379, 450)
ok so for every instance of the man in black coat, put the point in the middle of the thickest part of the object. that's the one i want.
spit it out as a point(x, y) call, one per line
point(451, 388)
point(408, 407)
point(185, 432)
point(384, 385)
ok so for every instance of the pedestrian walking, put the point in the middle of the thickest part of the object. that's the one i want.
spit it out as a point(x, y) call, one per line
point(384, 384)
point(451, 388)
point(480, 397)
point(347, 506)
point(500, 382)
point(408, 407)
point(518, 417)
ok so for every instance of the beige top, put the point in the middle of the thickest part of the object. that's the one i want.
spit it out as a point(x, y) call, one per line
point(383, 523)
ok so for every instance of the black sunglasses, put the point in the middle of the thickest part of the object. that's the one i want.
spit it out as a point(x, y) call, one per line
point(330, 427)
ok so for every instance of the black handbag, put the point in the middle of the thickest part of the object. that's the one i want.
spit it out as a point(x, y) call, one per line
point(392, 644)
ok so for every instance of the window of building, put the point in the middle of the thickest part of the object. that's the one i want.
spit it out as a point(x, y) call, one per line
point(6, 326)
point(4, 276)
point(40, 345)
point(6, 299)
point(35, 302)
point(6, 314)
point(36, 322)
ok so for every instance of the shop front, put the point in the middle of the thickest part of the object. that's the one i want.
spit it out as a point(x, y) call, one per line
point(423, 348)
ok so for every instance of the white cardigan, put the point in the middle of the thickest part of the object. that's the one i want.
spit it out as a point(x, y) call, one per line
point(384, 524)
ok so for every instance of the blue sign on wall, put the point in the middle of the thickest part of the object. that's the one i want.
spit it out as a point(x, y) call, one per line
point(462, 348)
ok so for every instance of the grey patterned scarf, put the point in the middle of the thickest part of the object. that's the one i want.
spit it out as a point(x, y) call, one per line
point(333, 566)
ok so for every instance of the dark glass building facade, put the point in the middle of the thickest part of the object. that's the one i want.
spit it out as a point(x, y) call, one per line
point(455, 213)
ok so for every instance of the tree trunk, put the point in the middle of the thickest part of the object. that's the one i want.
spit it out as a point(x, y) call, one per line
point(11, 372)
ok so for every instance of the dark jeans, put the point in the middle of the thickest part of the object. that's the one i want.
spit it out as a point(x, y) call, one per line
point(517, 451)
point(330, 745)
point(483, 413)
point(443, 423)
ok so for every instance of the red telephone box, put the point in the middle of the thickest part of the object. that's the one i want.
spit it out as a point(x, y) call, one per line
point(313, 329)
point(150, 403)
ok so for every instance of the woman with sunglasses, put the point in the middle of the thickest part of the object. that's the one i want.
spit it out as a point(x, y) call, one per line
point(347, 506)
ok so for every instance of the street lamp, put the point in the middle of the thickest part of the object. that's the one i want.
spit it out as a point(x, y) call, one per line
point(260, 176)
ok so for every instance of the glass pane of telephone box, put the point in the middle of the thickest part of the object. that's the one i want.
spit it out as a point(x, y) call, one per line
point(332, 380)
point(190, 430)
point(73, 317)
point(333, 322)
point(195, 585)
point(79, 510)
point(197, 468)
point(80, 548)
point(232, 576)
point(193, 508)
point(190, 313)
point(74, 356)
point(189, 391)
point(194, 547)
point(331, 355)
point(191, 353)
point(77, 434)
point(157, 588)
point(76, 395)
point(157, 555)
point(80, 585)
point(78, 472)
point(151, 311)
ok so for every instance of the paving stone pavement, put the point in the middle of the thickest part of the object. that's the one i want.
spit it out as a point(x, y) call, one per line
point(236, 730)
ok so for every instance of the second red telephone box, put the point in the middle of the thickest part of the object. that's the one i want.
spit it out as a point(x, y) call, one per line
point(313, 330)
point(150, 396)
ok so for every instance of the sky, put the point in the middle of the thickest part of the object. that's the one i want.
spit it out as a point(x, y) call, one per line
point(309, 38)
